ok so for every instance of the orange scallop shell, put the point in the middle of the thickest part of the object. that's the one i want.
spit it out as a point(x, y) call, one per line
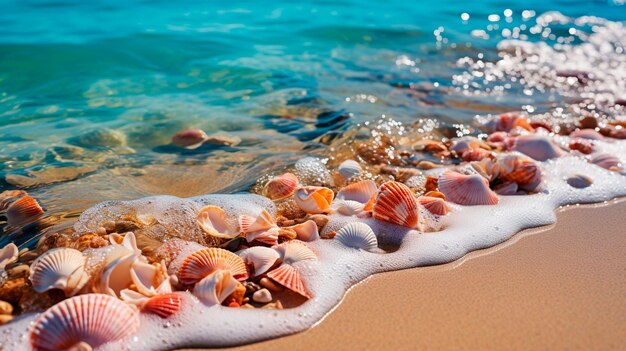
point(23, 210)
point(434, 205)
point(396, 204)
point(206, 261)
point(287, 276)
point(526, 172)
point(163, 305)
point(281, 187)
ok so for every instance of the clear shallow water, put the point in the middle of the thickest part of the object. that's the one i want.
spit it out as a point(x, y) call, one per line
point(91, 92)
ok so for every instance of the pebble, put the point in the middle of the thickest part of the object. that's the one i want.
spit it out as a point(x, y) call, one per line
point(5, 308)
point(274, 306)
point(270, 285)
point(5, 318)
point(262, 296)
point(18, 271)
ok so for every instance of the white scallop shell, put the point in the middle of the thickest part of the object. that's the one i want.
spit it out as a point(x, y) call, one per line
point(349, 169)
point(61, 268)
point(357, 235)
point(348, 207)
point(262, 258)
point(215, 288)
point(295, 251)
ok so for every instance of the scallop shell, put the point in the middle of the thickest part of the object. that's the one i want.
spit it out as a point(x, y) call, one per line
point(8, 255)
point(509, 188)
point(467, 189)
point(206, 261)
point(434, 205)
point(314, 199)
point(281, 187)
point(361, 191)
point(538, 147)
point(475, 154)
point(357, 235)
point(590, 134)
point(349, 168)
point(23, 210)
point(91, 319)
point(215, 288)
point(61, 268)
point(287, 276)
point(212, 220)
point(607, 161)
point(150, 279)
point(348, 207)
point(306, 231)
point(295, 251)
point(261, 258)
point(263, 228)
point(396, 204)
point(8, 196)
point(164, 305)
point(116, 275)
point(524, 172)
point(507, 121)
point(460, 145)
point(189, 138)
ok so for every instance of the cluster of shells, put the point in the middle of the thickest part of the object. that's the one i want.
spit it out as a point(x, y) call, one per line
point(94, 287)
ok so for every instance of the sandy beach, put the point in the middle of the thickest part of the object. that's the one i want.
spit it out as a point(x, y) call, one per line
point(559, 287)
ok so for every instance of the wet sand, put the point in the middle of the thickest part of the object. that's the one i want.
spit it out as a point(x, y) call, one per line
point(564, 288)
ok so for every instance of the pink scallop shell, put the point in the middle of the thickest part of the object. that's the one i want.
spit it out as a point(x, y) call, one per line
point(434, 205)
point(206, 261)
point(164, 305)
point(287, 276)
point(467, 189)
point(281, 187)
point(396, 204)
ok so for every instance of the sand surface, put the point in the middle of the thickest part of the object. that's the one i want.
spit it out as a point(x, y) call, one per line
point(558, 287)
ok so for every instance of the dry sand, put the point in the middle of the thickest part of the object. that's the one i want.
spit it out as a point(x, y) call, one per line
point(562, 289)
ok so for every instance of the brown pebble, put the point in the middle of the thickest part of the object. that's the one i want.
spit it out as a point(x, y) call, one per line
point(588, 122)
point(29, 256)
point(248, 306)
point(274, 306)
point(270, 285)
point(5, 318)
point(5, 308)
point(21, 270)
point(101, 231)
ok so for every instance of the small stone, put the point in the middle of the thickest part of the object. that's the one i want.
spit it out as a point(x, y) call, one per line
point(274, 306)
point(262, 296)
point(270, 285)
point(588, 122)
point(5, 318)
point(248, 306)
point(29, 256)
point(101, 231)
point(19, 271)
point(251, 287)
point(5, 308)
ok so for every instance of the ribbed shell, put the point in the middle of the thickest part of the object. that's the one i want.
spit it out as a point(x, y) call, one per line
point(281, 187)
point(396, 204)
point(61, 268)
point(260, 257)
point(23, 210)
point(538, 147)
point(94, 319)
point(508, 188)
point(287, 276)
point(8, 196)
point(263, 228)
point(606, 161)
point(206, 261)
point(215, 288)
point(314, 199)
point(360, 191)
point(164, 305)
point(507, 121)
point(348, 207)
point(349, 168)
point(295, 251)
point(434, 205)
point(357, 235)
point(467, 189)
point(212, 220)
point(525, 172)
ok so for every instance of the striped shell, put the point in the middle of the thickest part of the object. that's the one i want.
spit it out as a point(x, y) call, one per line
point(460, 145)
point(357, 235)
point(520, 170)
point(281, 187)
point(590, 134)
point(538, 147)
point(164, 305)
point(212, 220)
point(260, 257)
point(508, 188)
point(8, 254)
point(507, 121)
point(396, 204)
point(434, 205)
point(189, 138)
point(87, 320)
point(23, 210)
point(475, 154)
point(607, 161)
point(61, 268)
point(215, 288)
point(295, 251)
point(314, 199)
point(361, 191)
point(467, 189)
point(349, 168)
point(207, 261)
point(287, 276)
point(348, 207)
point(8, 196)
point(262, 228)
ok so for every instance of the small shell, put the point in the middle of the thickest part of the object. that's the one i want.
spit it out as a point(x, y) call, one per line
point(8, 255)
point(434, 205)
point(281, 187)
point(295, 251)
point(520, 170)
point(8, 196)
point(260, 257)
point(361, 191)
point(607, 161)
point(460, 145)
point(396, 204)
point(507, 121)
point(349, 168)
point(306, 231)
point(314, 199)
point(263, 228)
point(206, 261)
point(475, 154)
point(348, 207)
point(508, 188)
point(538, 147)
point(61, 268)
point(212, 220)
point(23, 210)
point(164, 305)
point(91, 319)
point(287, 276)
point(357, 235)
point(581, 145)
point(435, 194)
point(189, 138)
point(590, 134)
point(579, 181)
point(467, 189)
point(215, 288)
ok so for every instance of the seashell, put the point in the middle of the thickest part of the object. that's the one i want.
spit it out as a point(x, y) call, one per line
point(261, 258)
point(434, 205)
point(281, 187)
point(207, 261)
point(607, 161)
point(349, 168)
point(590, 134)
point(287, 276)
point(262, 296)
point(508, 188)
point(361, 191)
point(23, 210)
point(87, 321)
point(475, 154)
point(460, 145)
point(61, 268)
point(348, 207)
point(215, 288)
point(150, 279)
point(189, 138)
point(306, 231)
point(467, 189)
point(263, 228)
point(116, 275)
point(497, 137)
point(164, 305)
point(538, 147)
point(212, 220)
point(357, 235)
point(435, 194)
point(582, 145)
point(7, 196)
point(579, 181)
point(520, 170)
point(314, 199)
point(295, 251)
point(507, 121)
point(396, 204)
point(8, 255)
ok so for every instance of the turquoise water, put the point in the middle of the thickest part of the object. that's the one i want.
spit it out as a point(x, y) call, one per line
point(91, 92)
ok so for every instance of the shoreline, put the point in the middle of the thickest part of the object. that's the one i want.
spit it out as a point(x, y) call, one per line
point(560, 289)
